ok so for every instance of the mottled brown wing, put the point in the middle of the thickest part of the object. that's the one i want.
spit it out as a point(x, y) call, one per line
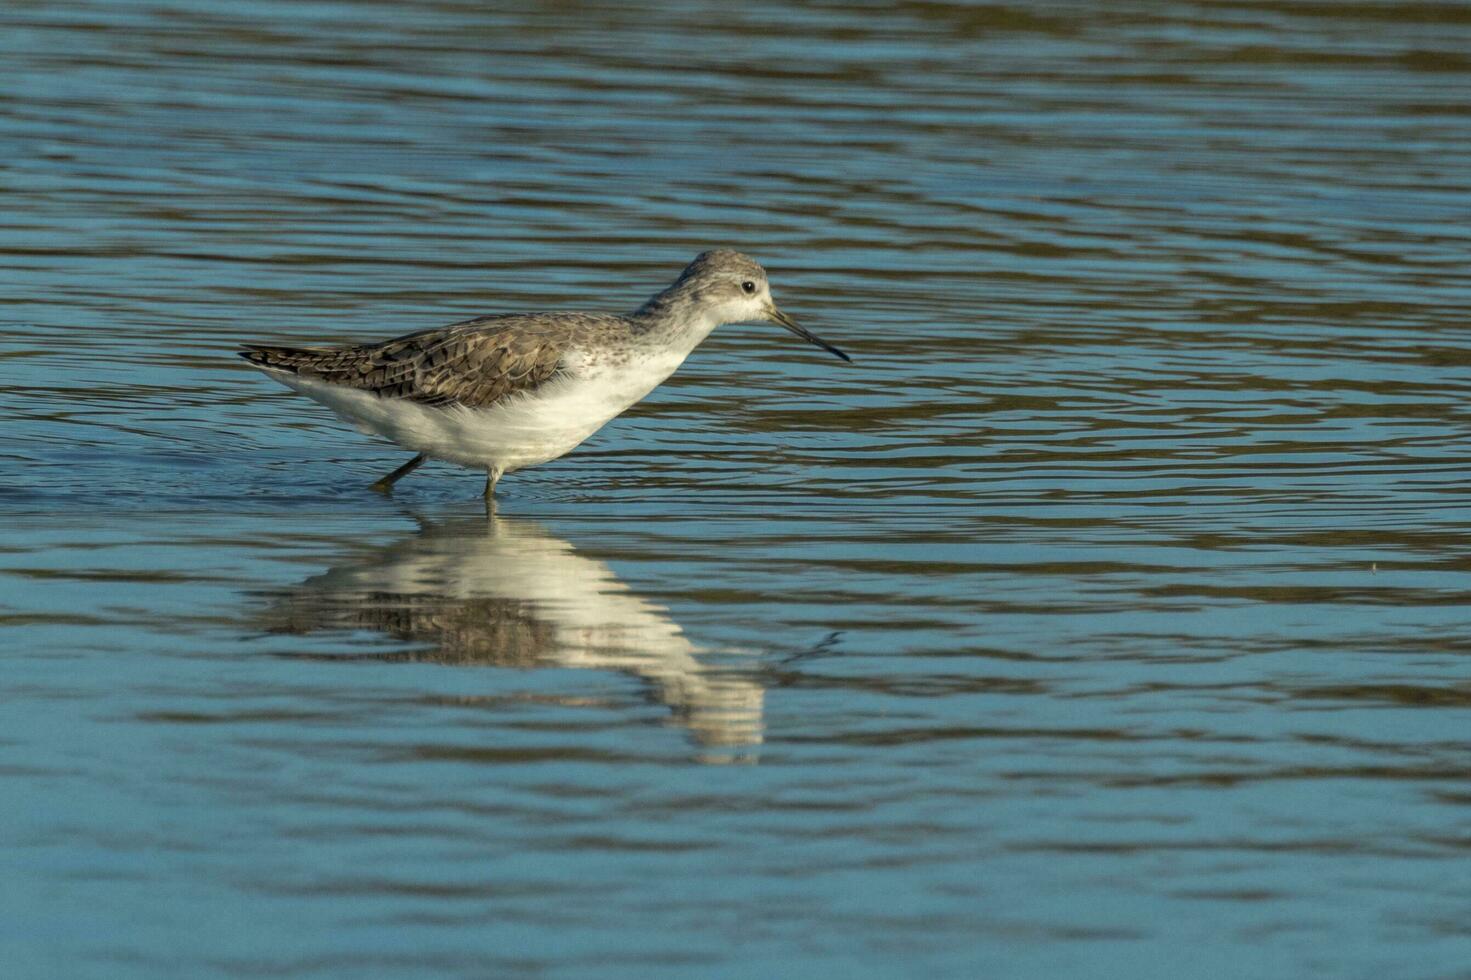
point(476, 363)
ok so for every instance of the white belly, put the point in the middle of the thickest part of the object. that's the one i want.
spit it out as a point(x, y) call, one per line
point(521, 430)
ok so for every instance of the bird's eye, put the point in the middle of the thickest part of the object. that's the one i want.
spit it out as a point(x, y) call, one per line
point(748, 286)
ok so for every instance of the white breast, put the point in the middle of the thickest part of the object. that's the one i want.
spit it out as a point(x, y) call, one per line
point(520, 430)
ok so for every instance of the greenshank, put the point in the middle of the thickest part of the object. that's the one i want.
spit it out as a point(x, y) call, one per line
point(503, 392)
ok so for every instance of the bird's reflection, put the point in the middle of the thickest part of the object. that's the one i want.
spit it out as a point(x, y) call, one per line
point(503, 592)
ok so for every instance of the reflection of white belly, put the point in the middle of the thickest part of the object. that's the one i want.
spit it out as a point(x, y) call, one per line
point(520, 430)
point(433, 588)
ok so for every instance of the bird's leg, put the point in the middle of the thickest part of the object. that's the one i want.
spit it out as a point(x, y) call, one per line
point(492, 477)
point(385, 485)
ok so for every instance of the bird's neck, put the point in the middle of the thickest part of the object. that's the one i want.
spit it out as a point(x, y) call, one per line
point(673, 320)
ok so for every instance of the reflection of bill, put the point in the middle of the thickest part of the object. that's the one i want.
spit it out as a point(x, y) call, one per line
point(506, 593)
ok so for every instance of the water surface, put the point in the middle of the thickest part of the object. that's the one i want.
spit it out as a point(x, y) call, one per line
point(1107, 617)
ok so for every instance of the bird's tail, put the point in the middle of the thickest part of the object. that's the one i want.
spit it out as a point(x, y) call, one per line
point(289, 359)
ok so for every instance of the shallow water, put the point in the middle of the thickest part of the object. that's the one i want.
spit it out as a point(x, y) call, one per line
point(1107, 617)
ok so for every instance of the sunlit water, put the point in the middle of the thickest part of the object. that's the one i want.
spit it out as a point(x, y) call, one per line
point(1107, 617)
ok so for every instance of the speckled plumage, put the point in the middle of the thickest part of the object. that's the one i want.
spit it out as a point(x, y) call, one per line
point(474, 363)
point(506, 391)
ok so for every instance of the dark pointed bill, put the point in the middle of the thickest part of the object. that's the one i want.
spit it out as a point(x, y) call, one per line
point(778, 316)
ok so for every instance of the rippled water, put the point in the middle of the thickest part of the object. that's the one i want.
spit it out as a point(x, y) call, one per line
point(1108, 617)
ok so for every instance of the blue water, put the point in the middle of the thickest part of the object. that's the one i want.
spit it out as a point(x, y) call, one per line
point(1108, 617)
